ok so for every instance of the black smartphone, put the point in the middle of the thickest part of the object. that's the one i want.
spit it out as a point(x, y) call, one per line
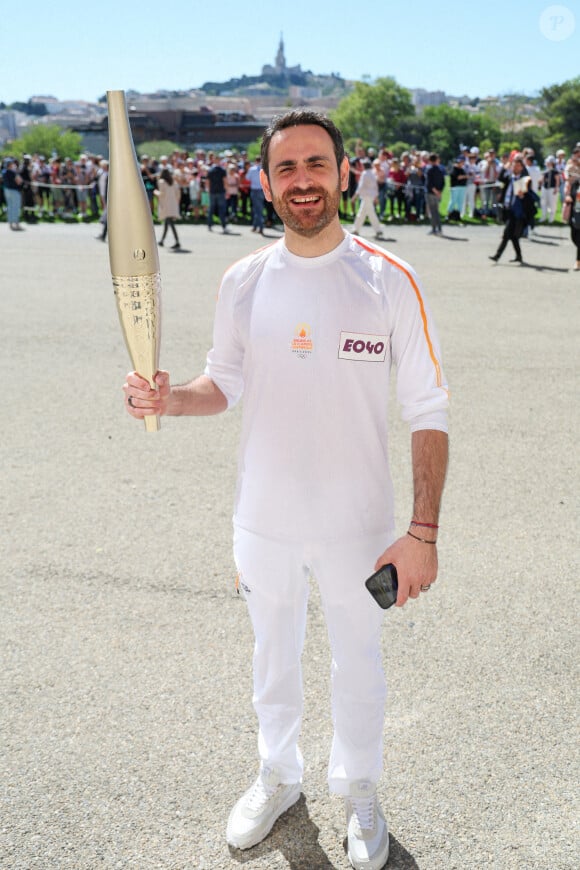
point(383, 586)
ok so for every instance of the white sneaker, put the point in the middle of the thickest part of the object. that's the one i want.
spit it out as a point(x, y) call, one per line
point(253, 817)
point(368, 837)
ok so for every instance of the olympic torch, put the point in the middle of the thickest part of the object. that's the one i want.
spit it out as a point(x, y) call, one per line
point(132, 249)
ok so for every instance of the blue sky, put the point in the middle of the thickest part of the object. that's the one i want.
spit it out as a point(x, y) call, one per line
point(480, 49)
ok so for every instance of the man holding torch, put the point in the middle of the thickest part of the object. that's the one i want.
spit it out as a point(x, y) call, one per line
point(307, 330)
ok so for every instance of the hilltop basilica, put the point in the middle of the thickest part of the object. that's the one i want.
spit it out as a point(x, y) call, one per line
point(280, 68)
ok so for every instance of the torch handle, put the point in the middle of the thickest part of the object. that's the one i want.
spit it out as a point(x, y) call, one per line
point(152, 424)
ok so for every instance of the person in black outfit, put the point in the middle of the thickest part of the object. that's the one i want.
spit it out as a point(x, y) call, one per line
point(573, 199)
point(503, 178)
point(28, 203)
point(355, 169)
point(12, 183)
point(217, 192)
point(434, 184)
point(457, 182)
point(519, 208)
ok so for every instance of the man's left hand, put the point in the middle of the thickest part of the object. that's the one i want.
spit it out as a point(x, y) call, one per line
point(416, 564)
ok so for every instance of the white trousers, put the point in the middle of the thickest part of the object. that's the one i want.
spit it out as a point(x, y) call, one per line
point(366, 210)
point(469, 202)
point(549, 200)
point(274, 578)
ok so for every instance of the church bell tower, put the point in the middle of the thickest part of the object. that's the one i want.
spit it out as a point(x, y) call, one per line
point(280, 59)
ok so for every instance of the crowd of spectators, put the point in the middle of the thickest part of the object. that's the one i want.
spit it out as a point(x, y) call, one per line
point(62, 188)
point(476, 180)
point(48, 188)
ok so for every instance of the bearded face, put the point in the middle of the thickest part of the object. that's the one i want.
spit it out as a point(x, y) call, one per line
point(304, 183)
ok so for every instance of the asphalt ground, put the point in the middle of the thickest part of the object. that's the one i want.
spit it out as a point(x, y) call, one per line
point(126, 724)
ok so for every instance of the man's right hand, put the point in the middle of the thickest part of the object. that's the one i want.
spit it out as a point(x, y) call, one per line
point(143, 401)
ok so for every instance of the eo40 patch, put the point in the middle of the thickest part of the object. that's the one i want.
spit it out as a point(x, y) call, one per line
point(360, 346)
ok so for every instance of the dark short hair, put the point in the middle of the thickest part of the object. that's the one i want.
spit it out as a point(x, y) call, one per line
point(299, 118)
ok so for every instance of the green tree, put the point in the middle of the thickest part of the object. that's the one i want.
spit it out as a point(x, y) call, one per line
point(46, 139)
point(397, 148)
point(253, 149)
point(372, 112)
point(534, 137)
point(449, 128)
point(506, 146)
point(415, 131)
point(561, 110)
point(158, 148)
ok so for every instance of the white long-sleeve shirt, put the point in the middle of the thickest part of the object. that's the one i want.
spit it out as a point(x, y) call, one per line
point(368, 186)
point(309, 342)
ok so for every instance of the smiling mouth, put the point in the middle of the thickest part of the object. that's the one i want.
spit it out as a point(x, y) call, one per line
point(305, 200)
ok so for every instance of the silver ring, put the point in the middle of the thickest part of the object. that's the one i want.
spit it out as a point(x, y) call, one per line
point(425, 588)
point(130, 401)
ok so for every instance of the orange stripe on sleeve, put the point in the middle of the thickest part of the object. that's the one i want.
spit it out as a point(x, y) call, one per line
point(413, 284)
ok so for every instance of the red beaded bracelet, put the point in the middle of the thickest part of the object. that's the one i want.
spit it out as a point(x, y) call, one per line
point(425, 525)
